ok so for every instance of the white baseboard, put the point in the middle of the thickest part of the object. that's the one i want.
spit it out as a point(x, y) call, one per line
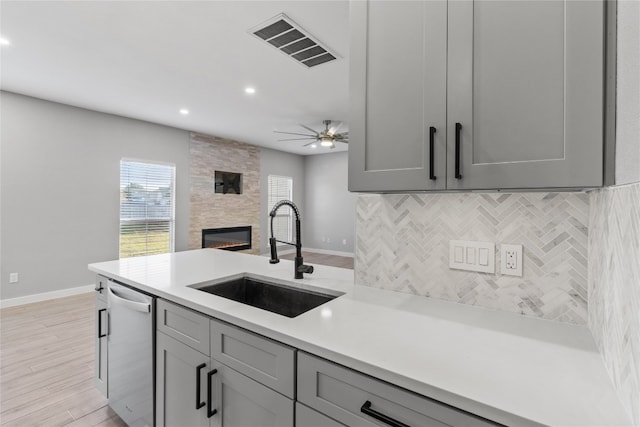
point(27, 299)
point(329, 252)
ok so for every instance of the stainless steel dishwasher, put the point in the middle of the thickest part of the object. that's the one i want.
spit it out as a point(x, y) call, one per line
point(131, 355)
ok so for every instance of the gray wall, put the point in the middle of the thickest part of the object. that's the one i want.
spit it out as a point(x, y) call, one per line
point(330, 207)
point(628, 88)
point(60, 189)
point(273, 162)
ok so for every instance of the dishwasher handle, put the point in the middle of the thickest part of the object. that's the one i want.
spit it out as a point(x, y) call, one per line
point(143, 307)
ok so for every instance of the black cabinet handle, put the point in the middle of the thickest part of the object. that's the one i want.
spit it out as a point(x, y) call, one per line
point(98, 287)
point(458, 131)
point(210, 412)
point(432, 133)
point(100, 334)
point(366, 409)
point(199, 404)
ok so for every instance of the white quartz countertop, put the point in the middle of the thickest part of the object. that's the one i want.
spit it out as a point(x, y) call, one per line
point(510, 369)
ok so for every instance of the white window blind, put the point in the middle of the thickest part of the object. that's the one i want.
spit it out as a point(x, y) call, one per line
point(147, 208)
point(281, 188)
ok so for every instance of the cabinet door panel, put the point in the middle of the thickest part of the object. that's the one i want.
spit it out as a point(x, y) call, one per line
point(523, 96)
point(243, 402)
point(525, 82)
point(306, 417)
point(398, 91)
point(176, 393)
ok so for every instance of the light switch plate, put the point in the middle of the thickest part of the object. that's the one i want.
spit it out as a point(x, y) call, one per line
point(472, 256)
point(511, 260)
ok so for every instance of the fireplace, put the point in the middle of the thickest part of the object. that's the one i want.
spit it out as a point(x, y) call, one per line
point(228, 238)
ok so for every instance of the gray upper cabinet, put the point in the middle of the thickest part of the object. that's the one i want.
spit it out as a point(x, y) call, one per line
point(518, 83)
point(526, 85)
point(398, 93)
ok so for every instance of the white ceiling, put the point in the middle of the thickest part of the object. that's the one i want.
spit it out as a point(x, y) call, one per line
point(148, 59)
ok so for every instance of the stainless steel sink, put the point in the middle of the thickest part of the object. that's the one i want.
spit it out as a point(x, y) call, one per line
point(274, 297)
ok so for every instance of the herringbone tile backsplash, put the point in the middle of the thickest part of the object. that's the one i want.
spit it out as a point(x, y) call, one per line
point(614, 287)
point(402, 244)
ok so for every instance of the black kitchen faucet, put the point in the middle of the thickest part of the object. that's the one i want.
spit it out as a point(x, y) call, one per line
point(299, 267)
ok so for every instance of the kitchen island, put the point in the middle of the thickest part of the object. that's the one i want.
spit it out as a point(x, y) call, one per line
point(506, 368)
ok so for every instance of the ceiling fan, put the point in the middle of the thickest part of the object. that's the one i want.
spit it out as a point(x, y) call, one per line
point(326, 138)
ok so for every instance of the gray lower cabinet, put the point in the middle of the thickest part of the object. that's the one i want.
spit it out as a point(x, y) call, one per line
point(307, 417)
point(181, 379)
point(356, 399)
point(247, 380)
point(187, 326)
point(476, 94)
point(243, 402)
point(234, 382)
point(101, 347)
point(266, 361)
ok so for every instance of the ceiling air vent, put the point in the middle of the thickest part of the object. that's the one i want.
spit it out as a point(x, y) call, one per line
point(289, 38)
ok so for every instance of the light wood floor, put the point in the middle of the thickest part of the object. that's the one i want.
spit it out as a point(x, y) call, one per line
point(323, 259)
point(47, 363)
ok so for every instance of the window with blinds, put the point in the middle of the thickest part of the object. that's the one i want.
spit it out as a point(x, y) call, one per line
point(147, 208)
point(280, 188)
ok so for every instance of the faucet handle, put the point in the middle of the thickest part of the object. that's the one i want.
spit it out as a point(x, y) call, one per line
point(305, 269)
point(274, 253)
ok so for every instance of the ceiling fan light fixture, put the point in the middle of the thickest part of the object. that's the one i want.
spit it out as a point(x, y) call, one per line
point(314, 145)
point(326, 142)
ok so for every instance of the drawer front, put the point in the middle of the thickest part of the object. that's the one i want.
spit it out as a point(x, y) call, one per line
point(341, 394)
point(187, 326)
point(260, 358)
point(306, 417)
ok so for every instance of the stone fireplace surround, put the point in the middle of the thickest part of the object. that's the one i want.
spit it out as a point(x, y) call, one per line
point(209, 209)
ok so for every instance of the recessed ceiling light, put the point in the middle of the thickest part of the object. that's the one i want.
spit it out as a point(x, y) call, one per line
point(4, 42)
point(250, 90)
point(184, 111)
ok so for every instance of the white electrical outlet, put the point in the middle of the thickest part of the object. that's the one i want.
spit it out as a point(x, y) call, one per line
point(511, 260)
point(472, 256)
point(13, 277)
point(344, 241)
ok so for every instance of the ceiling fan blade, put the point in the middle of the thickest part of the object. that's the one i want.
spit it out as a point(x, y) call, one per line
point(310, 130)
point(306, 145)
point(298, 139)
point(293, 133)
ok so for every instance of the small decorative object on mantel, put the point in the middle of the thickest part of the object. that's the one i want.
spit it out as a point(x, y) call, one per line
point(228, 182)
